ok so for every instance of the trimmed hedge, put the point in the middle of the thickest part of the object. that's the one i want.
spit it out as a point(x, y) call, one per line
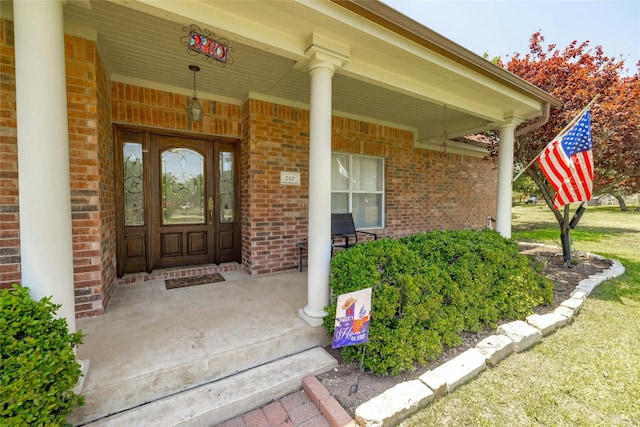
point(429, 288)
point(38, 367)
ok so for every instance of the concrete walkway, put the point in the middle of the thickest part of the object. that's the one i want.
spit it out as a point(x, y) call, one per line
point(201, 354)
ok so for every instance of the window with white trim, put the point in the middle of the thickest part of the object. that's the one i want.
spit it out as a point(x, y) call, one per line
point(357, 186)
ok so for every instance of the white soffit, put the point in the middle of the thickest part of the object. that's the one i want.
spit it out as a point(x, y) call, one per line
point(387, 78)
point(378, 56)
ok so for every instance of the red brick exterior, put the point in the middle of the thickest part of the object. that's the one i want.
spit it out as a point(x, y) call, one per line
point(424, 190)
point(274, 216)
point(428, 190)
point(91, 174)
point(160, 109)
point(87, 173)
point(107, 184)
point(9, 223)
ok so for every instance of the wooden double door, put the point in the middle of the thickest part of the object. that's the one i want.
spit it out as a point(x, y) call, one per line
point(177, 201)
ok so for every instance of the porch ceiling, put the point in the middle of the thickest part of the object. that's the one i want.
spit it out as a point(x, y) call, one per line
point(387, 77)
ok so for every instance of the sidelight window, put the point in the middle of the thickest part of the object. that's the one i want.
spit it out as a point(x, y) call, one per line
point(227, 190)
point(133, 184)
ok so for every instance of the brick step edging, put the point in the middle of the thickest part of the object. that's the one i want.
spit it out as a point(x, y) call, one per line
point(329, 407)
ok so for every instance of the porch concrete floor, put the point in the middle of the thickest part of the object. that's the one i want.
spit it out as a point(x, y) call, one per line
point(152, 342)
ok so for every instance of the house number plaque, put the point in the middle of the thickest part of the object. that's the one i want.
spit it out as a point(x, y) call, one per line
point(290, 178)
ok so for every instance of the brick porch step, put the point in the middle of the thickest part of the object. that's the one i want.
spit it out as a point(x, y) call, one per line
point(218, 401)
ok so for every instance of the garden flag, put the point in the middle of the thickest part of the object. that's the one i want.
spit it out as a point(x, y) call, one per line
point(353, 313)
point(567, 162)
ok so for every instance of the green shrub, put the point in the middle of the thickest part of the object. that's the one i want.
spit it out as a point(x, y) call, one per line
point(38, 366)
point(430, 287)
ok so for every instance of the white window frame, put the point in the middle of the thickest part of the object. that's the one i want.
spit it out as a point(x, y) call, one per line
point(350, 191)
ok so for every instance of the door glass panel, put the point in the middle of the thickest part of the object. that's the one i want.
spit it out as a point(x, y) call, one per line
point(226, 187)
point(183, 187)
point(133, 185)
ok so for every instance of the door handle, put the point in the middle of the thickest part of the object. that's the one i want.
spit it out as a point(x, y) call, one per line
point(210, 210)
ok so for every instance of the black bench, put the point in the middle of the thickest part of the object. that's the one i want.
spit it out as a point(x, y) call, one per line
point(343, 235)
point(343, 231)
point(302, 246)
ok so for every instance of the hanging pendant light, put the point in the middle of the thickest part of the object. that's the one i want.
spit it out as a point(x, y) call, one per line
point(194, 109)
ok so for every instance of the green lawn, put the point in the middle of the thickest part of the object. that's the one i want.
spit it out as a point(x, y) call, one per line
point(586, 374)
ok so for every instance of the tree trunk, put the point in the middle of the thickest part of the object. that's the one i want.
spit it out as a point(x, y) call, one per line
point(623, 205)
point(566, 248)
point(564, 238)
point(563, 220)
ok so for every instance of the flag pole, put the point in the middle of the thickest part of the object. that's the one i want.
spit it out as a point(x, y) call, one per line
point(526, 167)
point(575, 119)
point(567, 127)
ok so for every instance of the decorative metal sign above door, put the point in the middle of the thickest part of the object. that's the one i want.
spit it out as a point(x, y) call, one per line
point(203, 42)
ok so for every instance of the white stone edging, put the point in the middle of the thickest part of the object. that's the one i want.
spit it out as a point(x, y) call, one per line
point(406, 398)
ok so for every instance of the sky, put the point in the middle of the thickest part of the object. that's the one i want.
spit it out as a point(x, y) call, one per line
point(502, 28)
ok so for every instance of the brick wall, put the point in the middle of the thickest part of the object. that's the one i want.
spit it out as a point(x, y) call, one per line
point(91, 168)
point(106, 190)
point(156, 108)
point(9, 225)
point(425, 190)
point(91, 173)
point(85, 169)
point(245, 201)
point(274, 215)
point(430, 191)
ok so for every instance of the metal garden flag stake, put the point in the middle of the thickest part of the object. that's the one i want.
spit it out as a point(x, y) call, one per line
point(353, 314)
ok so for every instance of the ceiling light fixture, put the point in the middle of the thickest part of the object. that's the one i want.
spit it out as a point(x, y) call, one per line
point(194, 109)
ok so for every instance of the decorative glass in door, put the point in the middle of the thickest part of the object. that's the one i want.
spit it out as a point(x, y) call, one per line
point(133, 184)
point(183, 188)
point(226, 187)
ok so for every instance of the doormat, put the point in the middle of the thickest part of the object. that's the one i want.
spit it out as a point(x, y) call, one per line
point(193, 281)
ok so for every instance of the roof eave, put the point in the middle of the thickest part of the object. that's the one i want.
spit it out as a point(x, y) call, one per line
point(395, 21)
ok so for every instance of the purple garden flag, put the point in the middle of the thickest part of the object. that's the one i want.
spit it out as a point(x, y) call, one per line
point(353, 313)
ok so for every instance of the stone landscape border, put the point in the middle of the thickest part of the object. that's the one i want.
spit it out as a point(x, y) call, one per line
point(406, 398)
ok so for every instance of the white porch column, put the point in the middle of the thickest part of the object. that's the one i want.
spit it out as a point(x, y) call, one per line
point(319, 236)
point(43, 154)
point(505, 175)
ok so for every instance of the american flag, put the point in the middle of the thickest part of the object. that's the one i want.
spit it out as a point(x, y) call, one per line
point(567, 162)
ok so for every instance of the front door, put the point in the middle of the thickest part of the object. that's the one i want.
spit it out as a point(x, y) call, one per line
point(182, 197)
point(180, 205)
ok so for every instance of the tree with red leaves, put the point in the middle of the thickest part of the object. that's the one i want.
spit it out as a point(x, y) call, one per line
point(576, 75)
